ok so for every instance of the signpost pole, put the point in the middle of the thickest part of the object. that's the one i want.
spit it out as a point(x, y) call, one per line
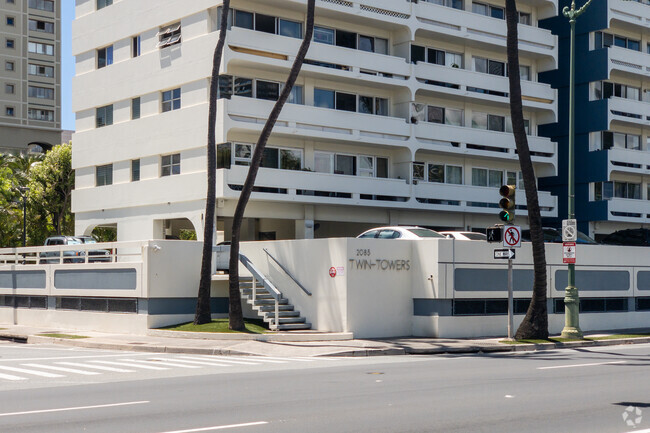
point(510, 302)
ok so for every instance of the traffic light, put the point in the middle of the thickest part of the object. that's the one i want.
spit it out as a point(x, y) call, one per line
point(494, 234)
point(507, 204)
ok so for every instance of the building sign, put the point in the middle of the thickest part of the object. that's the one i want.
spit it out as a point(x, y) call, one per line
point(332, 272)
point(569, 252)
point(380, 264)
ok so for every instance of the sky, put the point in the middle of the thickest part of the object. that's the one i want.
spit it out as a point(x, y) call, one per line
point(67, 64)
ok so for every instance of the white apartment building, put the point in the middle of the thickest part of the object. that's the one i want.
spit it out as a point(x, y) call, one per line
point(30, 75)
point(399, 116)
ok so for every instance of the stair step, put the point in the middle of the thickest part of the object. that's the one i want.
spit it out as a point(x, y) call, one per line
point(287, 320)
point(259, 291)
point(271, 314)
point(294, 326)
point(270, 308)
point(283, 301)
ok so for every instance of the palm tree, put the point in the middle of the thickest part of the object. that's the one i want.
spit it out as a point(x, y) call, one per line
point(203, 313)
point(535, 324)
point(236, 321)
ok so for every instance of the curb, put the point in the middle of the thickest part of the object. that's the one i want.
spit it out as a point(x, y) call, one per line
point(285, 337)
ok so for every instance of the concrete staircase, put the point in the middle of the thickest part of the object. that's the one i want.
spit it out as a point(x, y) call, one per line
point(264, 303)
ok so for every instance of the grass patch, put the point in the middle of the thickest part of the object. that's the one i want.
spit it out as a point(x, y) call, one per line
point(221, 326)
point(69, 336)
point(566, 340)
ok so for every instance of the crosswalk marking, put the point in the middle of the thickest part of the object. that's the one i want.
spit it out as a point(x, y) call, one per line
point(157, 362)
point(97, 367)
point(10, 377)
point(227, 359)
point(291, 359)
point(64, 369)
point(26, 371)
point(125, 364)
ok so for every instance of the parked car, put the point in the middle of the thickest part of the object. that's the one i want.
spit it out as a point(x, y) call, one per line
point(465, 236)
point(69, 256)
point(629, 237)
point(553, 235)
point(95, 255)
point(399, 232)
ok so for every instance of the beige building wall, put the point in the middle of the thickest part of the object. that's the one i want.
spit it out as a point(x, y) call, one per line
point(30, 74)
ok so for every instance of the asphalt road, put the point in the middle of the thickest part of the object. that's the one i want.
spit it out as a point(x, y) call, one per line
point(55, 390)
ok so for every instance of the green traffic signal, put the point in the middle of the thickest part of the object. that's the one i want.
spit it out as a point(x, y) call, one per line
point(506, 216)
point(507, 203)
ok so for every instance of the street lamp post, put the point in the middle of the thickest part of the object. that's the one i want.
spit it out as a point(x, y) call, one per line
point(23, 194)
point(571, 298)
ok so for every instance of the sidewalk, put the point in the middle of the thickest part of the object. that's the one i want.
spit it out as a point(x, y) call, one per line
point(288, 344)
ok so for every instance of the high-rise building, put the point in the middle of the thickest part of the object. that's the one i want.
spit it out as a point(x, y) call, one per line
point(30, 75)
point(612, 115)
point(399, 116)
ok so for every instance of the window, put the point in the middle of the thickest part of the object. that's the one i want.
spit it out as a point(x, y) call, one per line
point(267, 90)
point(136, 46)
point(418, 171)
point(224, 155)
point(606, 90)
point(524, 18)
point(373, 45)
point(135, 108)
point(345, 164)
point(135, 170)
point(323, 35)
point(11, 20)
point(10, 66)
point(324, 98)
point(346, 39)
point(43, 5)
point(488, 10)
point(524, 73)
point(38, 48)
point(104, 175)
point(602, 40)
point(292, 29)
point(10, 43)
point(435, 56)
point(9, 111)
point(346, 101)
point(104, 116)
point(496, 123)
point(40, 92)
point(492, 67)
point(10, 88)
point(40, 70)
point(169, 35)
point(42, 115)
point(243, 153)
point(170, 165)
point(456, 4)
point(41, 26)
point(608, 190)
point(244, 19)
point(372, 105)
point(101, 4)
point(486, 177)
point(296, 95)
point(607, 140)
point(171, 100)
point(447, 116)
point(285, 159)
point(265, 23)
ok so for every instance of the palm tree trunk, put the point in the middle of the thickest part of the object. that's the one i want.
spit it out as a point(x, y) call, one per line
point(203, 313)
point(535, 324)
point(236, 321)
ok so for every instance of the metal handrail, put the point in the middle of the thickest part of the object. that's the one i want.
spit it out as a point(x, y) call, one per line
point(287, 272)
point(257, 275)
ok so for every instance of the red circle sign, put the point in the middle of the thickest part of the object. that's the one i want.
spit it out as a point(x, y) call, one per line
point(511, 236)
point(332, 272)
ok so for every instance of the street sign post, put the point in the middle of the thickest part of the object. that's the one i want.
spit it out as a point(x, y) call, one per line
point(569, 230)
point(512, 236)
point(569, 252)
point(504, 253)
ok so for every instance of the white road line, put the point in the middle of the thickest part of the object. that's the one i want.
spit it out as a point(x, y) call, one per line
point(291, 359)
point(33, 372)
point(126, 364)
point(219, 427)
point(155, 361)
point(65, 409)
point(97, 367)
point(581, 365)
point(263, 360)
point(67, 370)
point(10, 377)
point(206, 362)
point(640, 431)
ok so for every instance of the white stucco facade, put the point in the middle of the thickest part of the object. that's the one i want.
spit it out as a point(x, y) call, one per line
point(409, 127)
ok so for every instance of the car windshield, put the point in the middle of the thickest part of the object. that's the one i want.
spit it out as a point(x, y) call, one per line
point(425, 233)
point(74, 242)
point(89, 241)
point(475, 236)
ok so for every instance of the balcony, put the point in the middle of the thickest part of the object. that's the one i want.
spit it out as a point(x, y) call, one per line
point(248, 114)
point(628, 161)
point(629, 111)
point(628, 13)
point(475, 199)
point(312, 187)
point(496, 144)
point(629, 62)
point(481, 31)
point(628, 210)
point(247, 48)
point(535, 95)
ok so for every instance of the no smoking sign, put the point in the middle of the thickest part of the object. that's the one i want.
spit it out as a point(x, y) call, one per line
point(512, 236)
